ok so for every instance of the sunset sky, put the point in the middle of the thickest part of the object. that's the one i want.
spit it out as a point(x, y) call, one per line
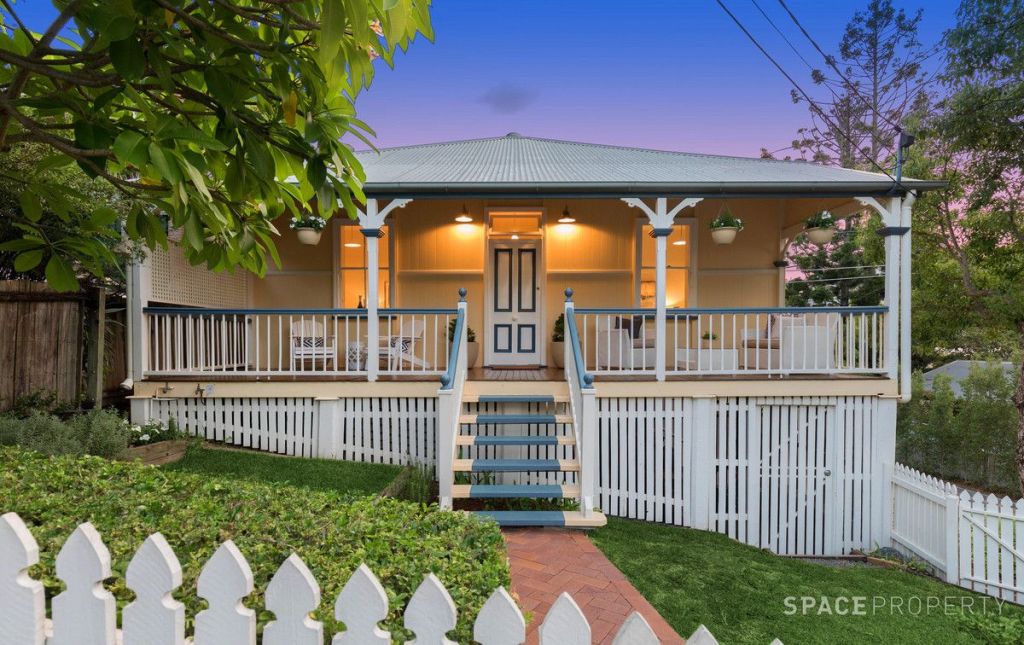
point(669, 74)
point(676, 75)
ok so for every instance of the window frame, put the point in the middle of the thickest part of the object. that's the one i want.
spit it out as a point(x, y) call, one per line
point(691, 269)
point(389, 239)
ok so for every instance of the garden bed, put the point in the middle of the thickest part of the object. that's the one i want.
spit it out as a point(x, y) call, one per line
point(160, 453)
point(333, 532)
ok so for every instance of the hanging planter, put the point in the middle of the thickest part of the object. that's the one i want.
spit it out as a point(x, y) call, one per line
point(308, 228)
point(725, 227)
point(820, 228)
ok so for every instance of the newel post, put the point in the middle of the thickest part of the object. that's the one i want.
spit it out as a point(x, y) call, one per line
point(585, 417)
point(449, 404)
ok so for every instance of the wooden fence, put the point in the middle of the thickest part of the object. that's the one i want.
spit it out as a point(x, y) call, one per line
point(975, 540)
point(86, 614)
point(43, 343)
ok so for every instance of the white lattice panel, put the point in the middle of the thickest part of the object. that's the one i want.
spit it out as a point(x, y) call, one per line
point(174, 281)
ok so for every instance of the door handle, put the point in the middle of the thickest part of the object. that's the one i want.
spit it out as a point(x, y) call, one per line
point(828, 472)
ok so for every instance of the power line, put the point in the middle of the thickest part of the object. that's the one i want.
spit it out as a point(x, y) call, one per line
point(806, 96)
point(816, 280)
point(784, 37)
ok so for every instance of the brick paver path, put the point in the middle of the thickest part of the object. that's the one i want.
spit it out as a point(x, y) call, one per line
point(546, 562)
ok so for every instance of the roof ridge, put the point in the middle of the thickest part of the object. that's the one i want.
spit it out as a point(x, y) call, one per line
point(513, 135)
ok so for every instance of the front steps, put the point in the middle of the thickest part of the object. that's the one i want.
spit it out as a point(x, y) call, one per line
point(501, 459)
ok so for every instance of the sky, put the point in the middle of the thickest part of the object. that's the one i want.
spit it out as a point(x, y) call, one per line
point(672, 75)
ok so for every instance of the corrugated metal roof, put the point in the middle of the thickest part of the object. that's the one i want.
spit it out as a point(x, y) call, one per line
point(514, 163)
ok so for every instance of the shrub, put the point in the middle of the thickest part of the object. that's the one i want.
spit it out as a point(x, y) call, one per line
point(97, 432)
point(154, 431)
point(333, 533)
point(971, 439)
point(470, 334)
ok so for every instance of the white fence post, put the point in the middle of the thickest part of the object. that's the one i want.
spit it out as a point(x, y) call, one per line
point(155, 617)
point(84, 613)
point(701, 460)
point(328, 418)
point(22, 599)
point(224, 583)
point(952, 529)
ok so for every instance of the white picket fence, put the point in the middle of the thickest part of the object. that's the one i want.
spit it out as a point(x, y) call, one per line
point(975, 540)
point(86, 614)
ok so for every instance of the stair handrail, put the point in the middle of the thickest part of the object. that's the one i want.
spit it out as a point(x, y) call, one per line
point(582, 406)
point(449, 399)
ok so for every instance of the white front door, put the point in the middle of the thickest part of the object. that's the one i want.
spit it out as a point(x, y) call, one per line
point(514, 303)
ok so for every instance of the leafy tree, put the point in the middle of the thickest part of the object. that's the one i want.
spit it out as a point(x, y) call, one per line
point(839, 273)
point(196, 113)
point(976, 143)
point(875, 82)
point(100, 245)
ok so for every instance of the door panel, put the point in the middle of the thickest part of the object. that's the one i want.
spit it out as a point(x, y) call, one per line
point(515, 310)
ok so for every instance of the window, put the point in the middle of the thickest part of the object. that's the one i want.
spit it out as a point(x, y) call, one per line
point(352, 269)
point(677, 285)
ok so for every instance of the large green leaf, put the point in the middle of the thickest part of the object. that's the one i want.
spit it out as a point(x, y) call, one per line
point(131, 147)
point(128, 58)
point(59, 274)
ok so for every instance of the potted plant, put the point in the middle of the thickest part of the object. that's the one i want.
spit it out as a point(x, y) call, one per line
point(725, 227)
point(820, 227)
point(708, 338)
point(558, 342)
point(308, 227)
point(472, 347)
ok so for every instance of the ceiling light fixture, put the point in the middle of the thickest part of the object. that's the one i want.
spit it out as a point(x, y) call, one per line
point(352, 245)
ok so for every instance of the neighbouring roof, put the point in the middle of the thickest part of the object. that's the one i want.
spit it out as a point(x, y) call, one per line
point(957, 371)
point(514, 165)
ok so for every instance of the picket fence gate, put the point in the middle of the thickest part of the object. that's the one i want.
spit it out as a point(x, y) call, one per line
point(86, 614)
point(976, 541)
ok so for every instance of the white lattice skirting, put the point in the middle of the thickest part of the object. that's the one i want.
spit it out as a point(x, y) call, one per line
point(799, 476)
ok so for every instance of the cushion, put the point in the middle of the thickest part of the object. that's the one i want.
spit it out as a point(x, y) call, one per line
point(633, 326)
point(643, 343)
point(776, 321)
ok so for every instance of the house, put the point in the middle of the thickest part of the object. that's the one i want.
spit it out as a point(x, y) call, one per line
point(690, 393)
point(957, 371)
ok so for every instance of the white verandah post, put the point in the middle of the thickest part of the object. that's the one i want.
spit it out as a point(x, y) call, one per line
point(371, 221)
point(891, 232)
point(661, 219)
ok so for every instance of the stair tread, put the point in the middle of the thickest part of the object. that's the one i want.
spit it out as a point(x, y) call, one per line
point(514, 418)
point(534, 491)
point(569, 519)
point(518, 398)
point(515, 465)
point(515, 440)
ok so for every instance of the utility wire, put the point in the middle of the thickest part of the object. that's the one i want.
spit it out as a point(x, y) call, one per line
point(784, 37)
point(806, 96)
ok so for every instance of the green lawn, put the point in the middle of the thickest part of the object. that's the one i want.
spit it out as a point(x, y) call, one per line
point(739, 592)
point(315, 474)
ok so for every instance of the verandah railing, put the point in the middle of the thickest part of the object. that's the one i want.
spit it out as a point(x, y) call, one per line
point(182, 341)
point(737, 341)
